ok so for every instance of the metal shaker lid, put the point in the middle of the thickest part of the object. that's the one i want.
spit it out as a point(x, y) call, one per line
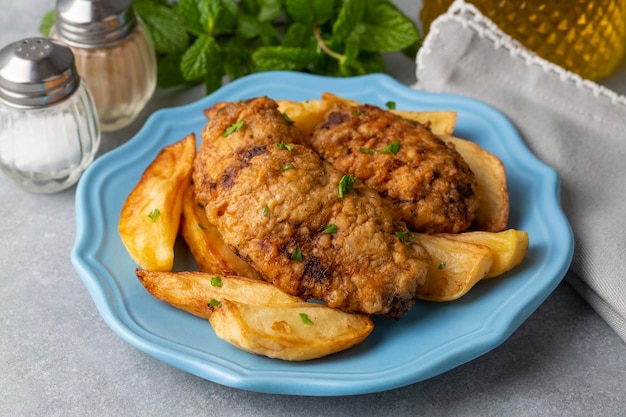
point(36, 72)
point(94, 23)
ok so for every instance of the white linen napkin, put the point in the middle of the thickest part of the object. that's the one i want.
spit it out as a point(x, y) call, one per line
point(574, 125)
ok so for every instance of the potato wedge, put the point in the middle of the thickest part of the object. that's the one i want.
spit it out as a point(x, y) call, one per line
point(508, 248)
point(305, 114)
point(205, 242)
point(292, 332)
point(193, 291)
point(454, 269)
point(150, 215)
point(493, 213)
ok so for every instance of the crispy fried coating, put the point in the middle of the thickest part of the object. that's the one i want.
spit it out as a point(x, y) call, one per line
point(276, 202)
point(427, 180)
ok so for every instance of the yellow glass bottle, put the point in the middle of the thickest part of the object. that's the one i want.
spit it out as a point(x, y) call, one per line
point(587, 37)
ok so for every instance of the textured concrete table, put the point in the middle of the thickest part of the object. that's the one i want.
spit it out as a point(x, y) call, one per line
point(58, 357)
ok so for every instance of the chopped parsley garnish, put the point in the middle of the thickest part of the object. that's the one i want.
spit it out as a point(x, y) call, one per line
point(233, 128)
point(305, 319)
point(216, 281)
point(392, 148)
point(331, 228)
point(442, 265)
point(283, 145)
point(201, 226)
point(154, 214)
point(214, 303)
point(266, 210)
point(391, 105)
point(357, 113)
point(405, 237)
point(287, 118)
point(287, 167)
point(297, 255)
point(366, 150)
point(345, 185)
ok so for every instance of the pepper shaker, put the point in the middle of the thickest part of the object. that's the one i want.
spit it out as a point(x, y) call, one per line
point(114, 55)
point(49, 130)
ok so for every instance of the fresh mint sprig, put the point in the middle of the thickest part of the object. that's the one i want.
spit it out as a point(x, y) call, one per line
point(212, 41)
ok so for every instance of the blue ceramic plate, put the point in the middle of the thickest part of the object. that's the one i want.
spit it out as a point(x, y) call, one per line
point(433, 338)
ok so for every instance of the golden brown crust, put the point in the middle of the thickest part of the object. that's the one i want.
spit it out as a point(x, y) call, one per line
point(427, 181)
point(272, 205)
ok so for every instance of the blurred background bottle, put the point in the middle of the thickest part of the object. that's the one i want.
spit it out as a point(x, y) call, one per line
point(587, 37)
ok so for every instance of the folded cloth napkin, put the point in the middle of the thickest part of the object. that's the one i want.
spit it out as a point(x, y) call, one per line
point(574, 125)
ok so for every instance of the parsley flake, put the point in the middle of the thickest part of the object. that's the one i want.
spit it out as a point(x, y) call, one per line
point(366, 150)
point(331, 228)
point(391, 105)
point(214, 303)
point(154, 214)
point(287, 167)
point(442, 265)
point(233, 128)
point(405, 237)
point(287, 118)
point(283, 145)
point(266, 211)
point(297, 255)
point(201, 227)
point(392, 148)
point(345, 185)
point(357, 113)
point(216, 281)
point(305, 319)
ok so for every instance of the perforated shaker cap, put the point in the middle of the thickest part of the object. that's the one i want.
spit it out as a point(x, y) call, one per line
point(36, 72)
point(94, 23)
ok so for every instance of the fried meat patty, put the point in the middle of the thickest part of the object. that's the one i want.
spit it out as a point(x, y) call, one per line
point(427, 180)
point(276, 203)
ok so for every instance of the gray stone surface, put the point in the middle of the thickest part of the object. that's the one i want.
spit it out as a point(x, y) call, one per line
point(59, 358)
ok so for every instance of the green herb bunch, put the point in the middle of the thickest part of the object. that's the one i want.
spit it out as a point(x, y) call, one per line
point(209, 41)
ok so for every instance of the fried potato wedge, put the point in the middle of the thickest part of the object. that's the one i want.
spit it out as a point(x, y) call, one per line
point(493, 213)
point(454, 269)
point(150, 216)
point(256, 316)
point(508, 248)
point(193, 291)
point(292, 332)
point(206, 244)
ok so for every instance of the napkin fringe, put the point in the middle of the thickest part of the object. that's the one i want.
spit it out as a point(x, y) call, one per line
point(468, 16)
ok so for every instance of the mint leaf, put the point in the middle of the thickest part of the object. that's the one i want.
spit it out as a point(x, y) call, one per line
point(189, 14)
point(283, 58)
point(384, 28)
point(298, 34)
point(47, 22)
point(310, 11)
point(249, 27)
point(196, 60)
point(350, 16)
point(225, 21)
point(165, 26)
point(168, 71)
point(270, 10)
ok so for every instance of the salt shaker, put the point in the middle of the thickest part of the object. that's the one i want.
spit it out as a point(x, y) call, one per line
point(49, 130)
point(114, 55)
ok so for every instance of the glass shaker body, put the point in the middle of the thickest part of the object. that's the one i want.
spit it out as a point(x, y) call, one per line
point(120, 73)
point(46, 150)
